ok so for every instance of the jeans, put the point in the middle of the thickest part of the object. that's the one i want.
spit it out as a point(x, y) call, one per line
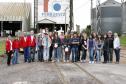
point(46, 53)
point(91, 55)
point(31, 54)
point(98, 55)
point(50, 52)
point(74, 54)
point(40, 53)
point(84, 54)
point(110, 55)
point(117, 54)
point(26, 53)
point(57, 53)
point(105, 53)
point(9, 57)
point(15, 57)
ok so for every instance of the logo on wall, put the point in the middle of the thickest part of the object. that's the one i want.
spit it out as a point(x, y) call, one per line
point(56, 6)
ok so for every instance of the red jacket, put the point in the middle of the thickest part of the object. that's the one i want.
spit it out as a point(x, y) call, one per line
point(30, 42)
point(23, 42)
point(16, 44)
point(9, 45)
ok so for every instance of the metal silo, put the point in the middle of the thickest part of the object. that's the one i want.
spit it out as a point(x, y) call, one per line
point(110, 13)
point(124, 18)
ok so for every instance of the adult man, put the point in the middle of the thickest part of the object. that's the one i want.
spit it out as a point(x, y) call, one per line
point(40, 47)
point(46, 42)
point(110, 46)
point(31, 42)
point(24, 46)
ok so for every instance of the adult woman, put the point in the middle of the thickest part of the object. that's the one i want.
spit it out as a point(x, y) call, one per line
point(67, 48)
point(116, 43)
point(105, 49)
point(99, 46)
point(91, 48)
point(84, 47)
point(57, 47)
point(16, 47)
point(9, 50)
point(75, 42)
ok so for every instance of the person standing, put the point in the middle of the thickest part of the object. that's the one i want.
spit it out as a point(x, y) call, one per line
point(51, 47)
point(23, 45)
point(46, 42)
point(16, 47)
point(9, 50)
point(79, 47)
point(62, 42)
point(84, 47)
point(105, 49)
point(75, 43)
point(67, 48)
point(57, 47)
point(110, 46)
point(116, 43)
point(99, 47)
point(40, 48)
point(91, 48)
point(31, 42)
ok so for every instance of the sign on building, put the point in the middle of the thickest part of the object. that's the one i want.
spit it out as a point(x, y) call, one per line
point(55, 10)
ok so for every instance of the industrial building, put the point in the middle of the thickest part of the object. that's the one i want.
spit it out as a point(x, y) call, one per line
point(124, 18)
point(110, 17)
point(53, 14)
point(14, 17)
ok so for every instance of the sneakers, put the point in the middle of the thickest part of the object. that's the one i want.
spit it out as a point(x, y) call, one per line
point(91, 62)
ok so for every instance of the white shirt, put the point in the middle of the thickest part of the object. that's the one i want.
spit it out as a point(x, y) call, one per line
point(10, 44)
point(32, 38)
point(25, 39)
point(116, 43)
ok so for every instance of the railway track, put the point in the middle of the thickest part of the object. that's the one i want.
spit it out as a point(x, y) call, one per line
point(85, 71)
point(65, 80)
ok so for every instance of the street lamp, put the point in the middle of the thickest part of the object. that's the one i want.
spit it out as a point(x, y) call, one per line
point(65, 17)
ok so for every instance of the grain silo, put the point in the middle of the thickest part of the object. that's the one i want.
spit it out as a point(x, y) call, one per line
point(124, 18)
point(110, 17)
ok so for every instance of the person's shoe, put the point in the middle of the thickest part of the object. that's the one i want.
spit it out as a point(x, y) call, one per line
point(104, 62)
point(58, 60)
point(117, 63)
point(65, 61)
point(90, 62)
point(84, 61)
point(81, 61)
point(68, 61)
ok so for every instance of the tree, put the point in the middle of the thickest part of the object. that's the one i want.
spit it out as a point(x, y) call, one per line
point(87, 30)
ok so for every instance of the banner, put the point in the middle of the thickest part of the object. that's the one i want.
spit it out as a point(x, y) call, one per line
point(55, 10)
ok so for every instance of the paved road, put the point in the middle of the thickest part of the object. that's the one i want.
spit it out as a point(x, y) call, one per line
point(63, 73)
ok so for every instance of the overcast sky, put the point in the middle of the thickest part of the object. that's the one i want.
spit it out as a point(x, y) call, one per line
point(81, 10)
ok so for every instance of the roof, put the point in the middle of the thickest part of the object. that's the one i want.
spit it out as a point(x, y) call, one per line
point(10, 11)
point(44, 21)
point(110, 3)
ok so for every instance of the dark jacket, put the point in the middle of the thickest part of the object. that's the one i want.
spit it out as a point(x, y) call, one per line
point(57, 40)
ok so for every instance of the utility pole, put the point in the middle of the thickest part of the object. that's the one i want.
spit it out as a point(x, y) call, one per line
point(71, 16)
point(91, 15)
point(98, 17)
point(35, 13)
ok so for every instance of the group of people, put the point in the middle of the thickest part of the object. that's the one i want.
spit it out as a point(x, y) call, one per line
point(52, 47)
